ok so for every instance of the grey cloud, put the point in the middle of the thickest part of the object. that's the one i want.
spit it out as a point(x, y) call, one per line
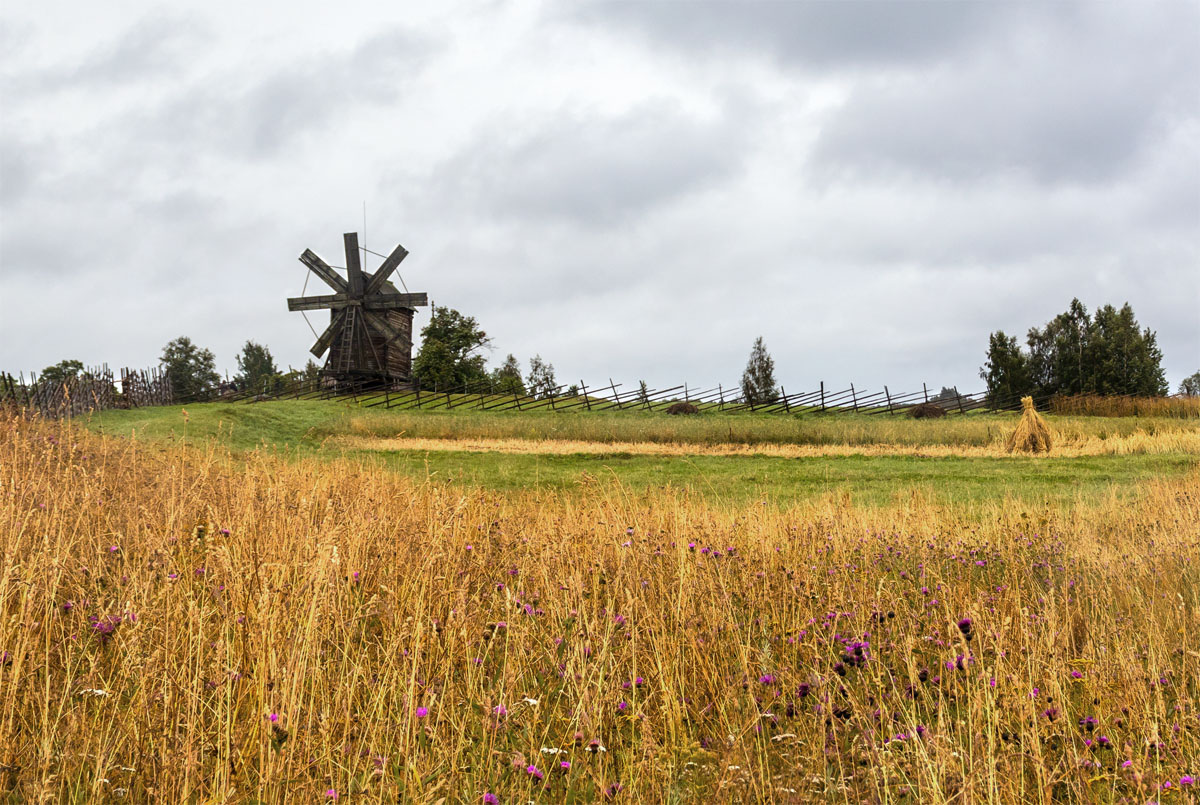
point(258, 118)
point(151, 49)
point(819, 35)
point(594, 171)
point(1063, 108)
point(21, 162)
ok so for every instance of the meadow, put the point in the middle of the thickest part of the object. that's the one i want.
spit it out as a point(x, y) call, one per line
point(276, 603)
point(738, 458)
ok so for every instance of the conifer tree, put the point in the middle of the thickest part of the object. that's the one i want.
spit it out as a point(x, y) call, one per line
point(758, 381)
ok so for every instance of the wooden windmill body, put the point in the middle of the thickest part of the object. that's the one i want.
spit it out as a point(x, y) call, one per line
point(369, 337)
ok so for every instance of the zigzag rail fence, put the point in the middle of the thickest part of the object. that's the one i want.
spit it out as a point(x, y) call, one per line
point(97, 389)
point(485, 396)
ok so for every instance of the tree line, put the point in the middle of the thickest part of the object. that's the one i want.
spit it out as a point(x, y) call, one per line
point(1105, 353)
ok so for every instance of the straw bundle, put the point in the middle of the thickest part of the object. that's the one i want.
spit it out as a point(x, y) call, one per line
point(1032, 434)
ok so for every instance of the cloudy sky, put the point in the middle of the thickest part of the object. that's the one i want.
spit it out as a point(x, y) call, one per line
point(630, 189)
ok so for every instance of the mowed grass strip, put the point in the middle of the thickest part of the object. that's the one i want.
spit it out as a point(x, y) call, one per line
point(866, 480)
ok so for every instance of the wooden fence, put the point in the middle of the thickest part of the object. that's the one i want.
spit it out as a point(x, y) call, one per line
point(93, 389)
point(612, 396)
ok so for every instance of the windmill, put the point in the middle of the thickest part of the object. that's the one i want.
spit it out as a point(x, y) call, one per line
point(369, 336)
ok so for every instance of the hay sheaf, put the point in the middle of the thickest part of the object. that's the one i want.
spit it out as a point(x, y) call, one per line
point(927, 411)
point(1032, 434)
point(683, 408)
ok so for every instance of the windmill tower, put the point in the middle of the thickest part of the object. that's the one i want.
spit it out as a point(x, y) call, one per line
point(369, 337)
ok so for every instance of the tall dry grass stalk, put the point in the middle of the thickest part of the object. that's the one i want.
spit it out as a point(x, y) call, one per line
point(177, 625)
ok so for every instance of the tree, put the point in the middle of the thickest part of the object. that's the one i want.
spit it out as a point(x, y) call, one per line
point(506, 378)
point(758, 381)
point(1190, 387)
point(540, 381)
point(1006, 371)
point(191, 370)
point(450, 354)
point(256, 367)
point(61, 372)
point(948, 394)
point(1102, 354)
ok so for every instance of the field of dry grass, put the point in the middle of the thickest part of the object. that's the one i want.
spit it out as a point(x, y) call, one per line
point(179, 623)
point(1139, 442)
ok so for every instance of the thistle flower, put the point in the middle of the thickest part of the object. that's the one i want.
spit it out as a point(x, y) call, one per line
point(422, 712)
point(491, 799)
point(532, 771)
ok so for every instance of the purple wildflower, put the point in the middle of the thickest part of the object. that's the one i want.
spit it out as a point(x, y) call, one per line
point(532, 771)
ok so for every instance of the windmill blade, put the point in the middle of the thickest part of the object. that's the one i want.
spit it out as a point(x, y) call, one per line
point(330, 333)
point(385, 270)
point(395, 301)
point(353, 264)
point(322, 270)
point(379, 324)
point(332, 301)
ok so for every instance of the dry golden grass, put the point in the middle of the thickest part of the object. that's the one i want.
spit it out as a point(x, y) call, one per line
point(1096, 405)
point(1075, 446)
point(177, 625)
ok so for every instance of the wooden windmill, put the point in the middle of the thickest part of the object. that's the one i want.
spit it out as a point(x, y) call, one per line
point(369, 336)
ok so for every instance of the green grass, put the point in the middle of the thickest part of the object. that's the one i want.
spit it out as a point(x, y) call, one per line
point(307, 428)
point(868, 480)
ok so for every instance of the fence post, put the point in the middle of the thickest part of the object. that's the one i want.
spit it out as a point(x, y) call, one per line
point(959, 398)
point(786, 407)
point(926, 389)
point(721, 395)
point(822, 396)
point(616, 399)
point(587, 403)
point(854, 398)
point(889, 399)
